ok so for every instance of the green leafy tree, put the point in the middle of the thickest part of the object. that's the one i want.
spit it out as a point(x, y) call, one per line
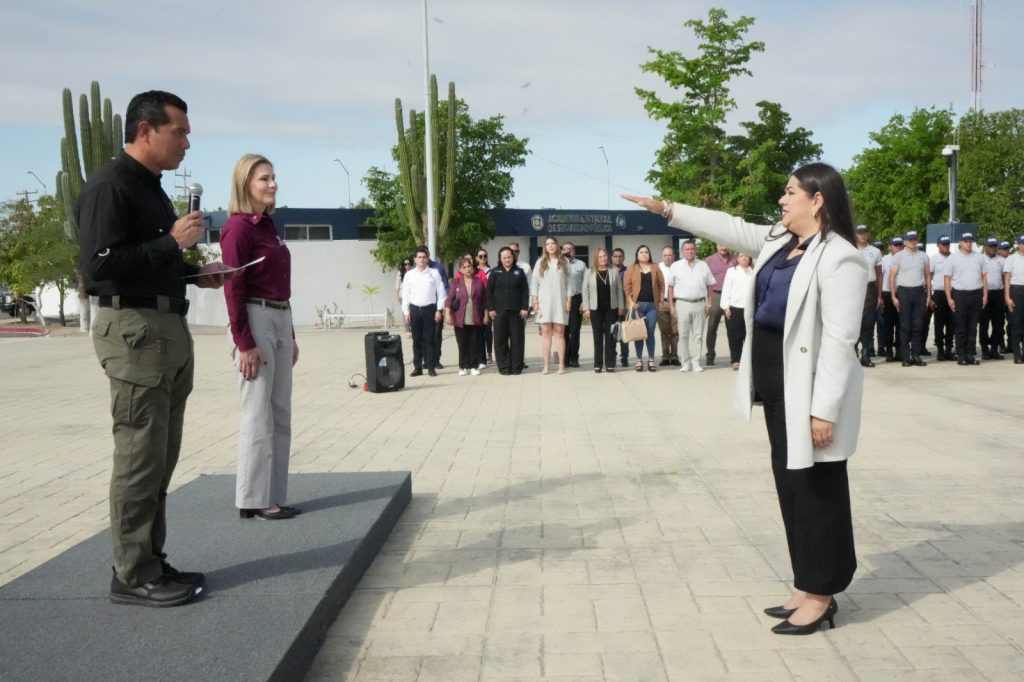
point(900, 182)
point(485, 156)
point(34, 249)
point(762, 161)
point(991, 172)
point(689, 165)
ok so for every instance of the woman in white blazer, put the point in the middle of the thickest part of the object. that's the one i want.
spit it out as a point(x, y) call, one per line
point(803, 318)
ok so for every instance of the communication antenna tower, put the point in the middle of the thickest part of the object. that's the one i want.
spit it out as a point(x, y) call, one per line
point(977, 62)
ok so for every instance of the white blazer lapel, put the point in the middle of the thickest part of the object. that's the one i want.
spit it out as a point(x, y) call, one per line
point(802, 280)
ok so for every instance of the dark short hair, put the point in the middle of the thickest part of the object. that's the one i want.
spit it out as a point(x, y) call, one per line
point(149, 107)
point(836, 217)
point(618, 249)
point(503, 250)
point(424, 250)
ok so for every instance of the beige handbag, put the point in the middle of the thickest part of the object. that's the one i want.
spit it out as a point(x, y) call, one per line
point(634, 327)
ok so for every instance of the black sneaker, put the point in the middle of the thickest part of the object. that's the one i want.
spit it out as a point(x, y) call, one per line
point(438, 366)
point(416, 373)
point(162, 592)
point(183, 577)
point(432, 372)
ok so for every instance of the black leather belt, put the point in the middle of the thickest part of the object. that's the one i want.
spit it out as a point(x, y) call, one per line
point(693, 300)
point(267, 303)
point(164, 304)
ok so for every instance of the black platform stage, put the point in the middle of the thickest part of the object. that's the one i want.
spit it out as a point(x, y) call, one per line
point(273, 588)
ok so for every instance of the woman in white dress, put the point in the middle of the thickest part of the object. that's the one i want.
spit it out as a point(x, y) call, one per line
point(735, 292)
point(549, 296)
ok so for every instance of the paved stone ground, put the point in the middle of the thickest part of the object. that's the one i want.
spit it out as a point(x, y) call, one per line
point(586, 527)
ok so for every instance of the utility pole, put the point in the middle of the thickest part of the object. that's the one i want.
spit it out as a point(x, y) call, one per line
point(25, 193)
point(428, 116)
point(184, 175)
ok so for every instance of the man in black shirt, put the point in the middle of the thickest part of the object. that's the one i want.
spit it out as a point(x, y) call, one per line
point(130, 258)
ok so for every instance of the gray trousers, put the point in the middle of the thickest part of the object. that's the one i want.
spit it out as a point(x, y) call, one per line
point(147, 356)
point(265, 427)
point(691, 330)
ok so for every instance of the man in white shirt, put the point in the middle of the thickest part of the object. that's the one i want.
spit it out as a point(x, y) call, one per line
point(967, 293)
point(993, 317)
point(577, 270)
point(523, 263)
point(890, 316)
point(668, 323)
point(873, 295)
point(689, 283)
point(942, 314)
point(1013, 291)
point(423, 298)
point(910, 282)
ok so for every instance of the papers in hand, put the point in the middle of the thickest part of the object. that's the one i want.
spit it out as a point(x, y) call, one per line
point(227, 270)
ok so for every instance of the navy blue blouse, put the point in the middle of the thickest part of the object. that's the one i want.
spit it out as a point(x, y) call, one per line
point(771, 290)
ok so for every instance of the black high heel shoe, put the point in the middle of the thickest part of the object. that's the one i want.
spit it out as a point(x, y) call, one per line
point(780, 612)
point(787, 628)
point(280, 514)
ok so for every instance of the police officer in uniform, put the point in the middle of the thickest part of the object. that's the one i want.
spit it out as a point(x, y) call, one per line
point(1013, 289)
point(993, 317)
point(891, 341)
point(910, 284)
point(872, 296)
point(940, 307)
point(966, 292)
point(131, 245)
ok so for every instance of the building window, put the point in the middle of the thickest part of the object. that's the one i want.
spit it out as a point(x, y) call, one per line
point(302, 233)
point(213, 236)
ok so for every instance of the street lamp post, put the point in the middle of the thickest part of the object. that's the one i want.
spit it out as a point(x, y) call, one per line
point(38, 180)
point(428, 117)
point(348, 180)
point(607, 177)
point(950, 152)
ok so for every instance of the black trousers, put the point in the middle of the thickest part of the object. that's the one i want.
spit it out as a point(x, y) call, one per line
point(815, 502)
point(736, 330)
point(623, 347)
point(486, 337)
point(601, 321)
point(965, 320)
point(943, 317)
point(423, 330)
point(890, 326)
point(438, 338)
point(572, 331)
point(993, 316)
point(509, 341)
point(467, 338)
point(913, 301)
point(868, 315)
point(1017, 318)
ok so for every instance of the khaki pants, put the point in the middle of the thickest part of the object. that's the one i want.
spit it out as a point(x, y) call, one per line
point(147, 355)
point(691, 329)
point(265, 427)
point(668, 325)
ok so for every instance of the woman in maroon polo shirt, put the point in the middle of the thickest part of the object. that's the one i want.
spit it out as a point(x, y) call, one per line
point(264, 340)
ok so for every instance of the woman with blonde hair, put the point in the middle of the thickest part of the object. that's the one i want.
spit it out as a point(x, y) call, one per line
point(735, 292)
point(549, 296)
point(264, 340)
point(603, 303)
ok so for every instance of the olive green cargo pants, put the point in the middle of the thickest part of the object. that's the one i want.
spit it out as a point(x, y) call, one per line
point(147, 355)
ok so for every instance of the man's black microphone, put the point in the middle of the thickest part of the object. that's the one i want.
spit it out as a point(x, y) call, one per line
point(195, 191)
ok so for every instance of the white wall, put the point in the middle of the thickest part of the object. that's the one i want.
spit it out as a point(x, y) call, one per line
point(320, 273)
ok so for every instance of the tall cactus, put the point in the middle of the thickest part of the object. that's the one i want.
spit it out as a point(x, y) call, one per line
point(102, 137)
point(412, 171)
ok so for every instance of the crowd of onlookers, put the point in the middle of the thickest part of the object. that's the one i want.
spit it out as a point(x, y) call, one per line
point(682, 302)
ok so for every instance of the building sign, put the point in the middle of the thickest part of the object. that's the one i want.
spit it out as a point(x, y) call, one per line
point(578, 223)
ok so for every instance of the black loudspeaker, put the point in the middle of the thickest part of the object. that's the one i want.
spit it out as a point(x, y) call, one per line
point(385, 368)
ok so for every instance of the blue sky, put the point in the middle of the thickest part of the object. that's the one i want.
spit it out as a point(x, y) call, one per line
point(316, 80)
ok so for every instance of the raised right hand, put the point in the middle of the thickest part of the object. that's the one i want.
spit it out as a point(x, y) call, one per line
point(188, 229)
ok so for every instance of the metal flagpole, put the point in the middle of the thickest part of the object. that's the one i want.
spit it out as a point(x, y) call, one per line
point(429, 118)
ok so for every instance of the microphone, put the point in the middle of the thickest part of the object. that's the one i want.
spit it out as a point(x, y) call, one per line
point(195, 191)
